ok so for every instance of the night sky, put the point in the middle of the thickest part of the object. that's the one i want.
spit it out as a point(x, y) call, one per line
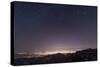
point(46, 27)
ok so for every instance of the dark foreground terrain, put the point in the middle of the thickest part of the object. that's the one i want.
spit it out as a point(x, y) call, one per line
point(84, 55)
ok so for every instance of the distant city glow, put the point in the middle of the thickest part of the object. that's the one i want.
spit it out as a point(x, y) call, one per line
point(41, 53)
point(53, 52)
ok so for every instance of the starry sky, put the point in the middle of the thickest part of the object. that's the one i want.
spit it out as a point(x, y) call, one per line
point(45, 27)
